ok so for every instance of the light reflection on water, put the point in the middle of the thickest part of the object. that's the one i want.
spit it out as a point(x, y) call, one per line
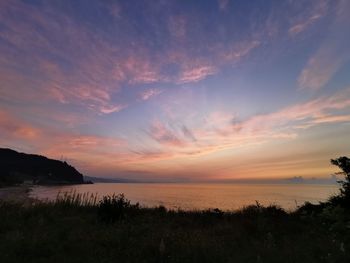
point(200, 196)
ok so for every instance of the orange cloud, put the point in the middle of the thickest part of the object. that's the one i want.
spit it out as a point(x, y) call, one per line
point(13, 128)
point(222, 131)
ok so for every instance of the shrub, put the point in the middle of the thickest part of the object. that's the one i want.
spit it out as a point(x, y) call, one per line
point(259, 210)
point(113, 208)
point(344, 164)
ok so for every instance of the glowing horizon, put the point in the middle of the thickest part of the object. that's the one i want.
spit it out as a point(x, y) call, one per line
point(180, 90)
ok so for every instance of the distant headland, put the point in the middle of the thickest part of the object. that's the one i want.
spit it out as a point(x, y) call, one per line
point(19, 168)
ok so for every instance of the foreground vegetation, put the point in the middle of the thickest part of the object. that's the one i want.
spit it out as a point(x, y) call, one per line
point(77, 228)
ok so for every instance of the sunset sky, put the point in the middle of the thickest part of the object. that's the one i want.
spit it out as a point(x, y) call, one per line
point(178, 90)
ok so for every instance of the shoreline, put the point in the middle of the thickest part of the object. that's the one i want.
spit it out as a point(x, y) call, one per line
point(18, 194)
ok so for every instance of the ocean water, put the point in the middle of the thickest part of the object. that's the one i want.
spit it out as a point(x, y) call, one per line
point(195, 196)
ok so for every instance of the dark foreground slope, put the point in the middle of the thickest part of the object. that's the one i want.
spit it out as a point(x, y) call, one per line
point(119, 232)
point(18, 167)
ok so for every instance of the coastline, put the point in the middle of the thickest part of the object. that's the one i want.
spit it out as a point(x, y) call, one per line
point(18, 194)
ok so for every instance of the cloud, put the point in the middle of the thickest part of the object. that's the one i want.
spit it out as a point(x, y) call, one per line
point(13, 128)
point(149, 93)
point(111, 109)
point(225, 131)
point(320, 68)
point(302, 26)
point(196, 74)
point(85, 71)
point(165, 136)
point(331, 55)
point(188, 133)
point(307, 16)
point(239, 50)
point(314, 112)
point(54, 142)
point(48, 55)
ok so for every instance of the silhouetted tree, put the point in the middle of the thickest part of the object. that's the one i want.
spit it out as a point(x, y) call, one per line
point(344, 164)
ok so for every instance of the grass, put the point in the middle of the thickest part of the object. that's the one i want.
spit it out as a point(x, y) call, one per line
point(77, 228)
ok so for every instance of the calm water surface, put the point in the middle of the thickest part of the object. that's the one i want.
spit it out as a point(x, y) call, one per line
point(200, 196)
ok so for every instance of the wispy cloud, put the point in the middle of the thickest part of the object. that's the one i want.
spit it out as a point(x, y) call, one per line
point(63, 74)
point(196, 74)
point(300, 27)
point(308, 16)
point(311, 113)
point(237, 51)
point(111, 109)
point(320, 68)
point(164, 135)
point(331, 55)
point(90, 69)
point(149, 93)
point(188, 133)
point(222, 131)
point(13, 128)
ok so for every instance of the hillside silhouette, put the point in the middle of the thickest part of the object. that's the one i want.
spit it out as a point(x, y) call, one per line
point(16, 168)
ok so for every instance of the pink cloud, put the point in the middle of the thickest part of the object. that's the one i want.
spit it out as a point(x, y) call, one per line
point(93, 78)
point(111, 109)
point(331, 119)
point(219, 119)
point(139, 69)
point(165, 136)
point(13, 128)
point(196, 74)
point(312, 113)
point(238, 51)
point(302, 26)
point(147, 94)
point(307, 17)
point(331, 55)
point(98, 69)
point(223, 131)
point(320, 68)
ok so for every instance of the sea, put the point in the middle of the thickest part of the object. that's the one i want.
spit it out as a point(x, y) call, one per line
point(199, 196)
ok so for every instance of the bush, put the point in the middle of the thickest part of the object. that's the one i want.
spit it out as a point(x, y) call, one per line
point(259, 210)
point(344, 165)
point(113, 208)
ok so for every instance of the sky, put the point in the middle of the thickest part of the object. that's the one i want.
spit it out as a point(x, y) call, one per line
point(178, 90)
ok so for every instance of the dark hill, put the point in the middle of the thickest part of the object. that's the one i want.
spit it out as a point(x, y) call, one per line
point(18, 167)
